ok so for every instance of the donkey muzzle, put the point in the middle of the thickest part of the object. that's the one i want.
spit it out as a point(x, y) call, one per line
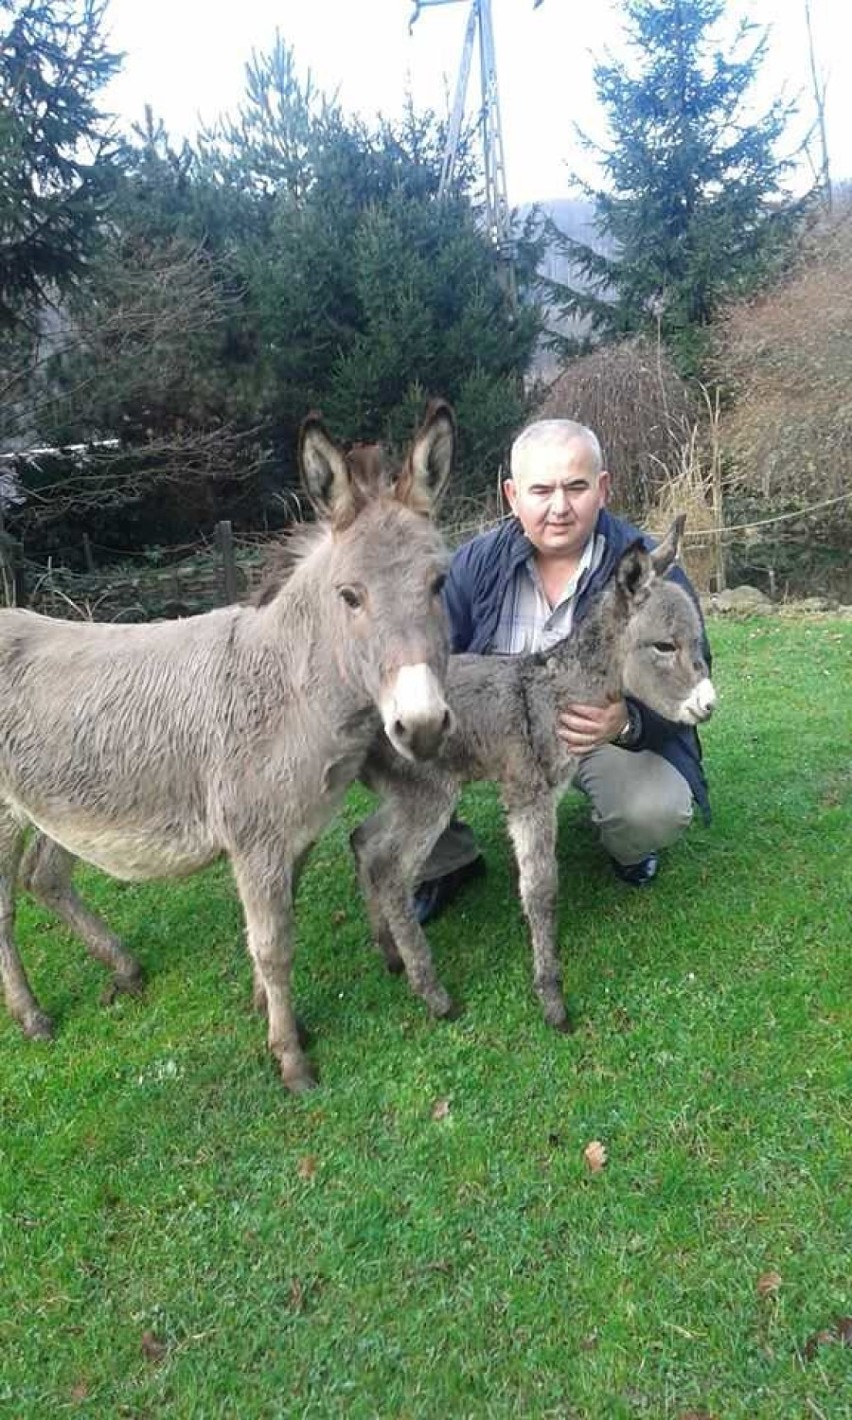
point(698, 706)
point(415, 715)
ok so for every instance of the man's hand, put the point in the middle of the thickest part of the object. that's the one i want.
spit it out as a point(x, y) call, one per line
point(584, 727)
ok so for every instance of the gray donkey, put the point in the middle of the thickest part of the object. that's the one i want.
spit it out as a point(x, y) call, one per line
point(644, 638)
point(151, 750)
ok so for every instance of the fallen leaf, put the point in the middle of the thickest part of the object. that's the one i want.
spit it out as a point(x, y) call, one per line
point(153, 1349)
point(297, 1295)
point(338, 917)
point(595, 1156)
point(307, 1166)
point(440, 1109)
point(841, 1331)
point(768, 1284)
point(80, 1391)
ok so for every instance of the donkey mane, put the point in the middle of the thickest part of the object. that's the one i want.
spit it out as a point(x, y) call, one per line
point(285, 555)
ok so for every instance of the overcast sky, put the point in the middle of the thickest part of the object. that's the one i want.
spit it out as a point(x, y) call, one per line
point(186, 58)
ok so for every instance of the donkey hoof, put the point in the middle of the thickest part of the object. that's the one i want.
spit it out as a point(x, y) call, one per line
point(447, 1009)
point(125, 985)
point(37, 1026)
point(559, 1020)
point(300, 1081)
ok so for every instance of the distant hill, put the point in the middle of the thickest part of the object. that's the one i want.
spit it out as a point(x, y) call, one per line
point(575, 217)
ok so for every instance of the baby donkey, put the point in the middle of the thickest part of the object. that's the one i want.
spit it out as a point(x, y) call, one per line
point(642, 637)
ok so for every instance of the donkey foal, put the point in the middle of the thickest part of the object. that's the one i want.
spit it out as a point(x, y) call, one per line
point(151, 750)
point(643, 637)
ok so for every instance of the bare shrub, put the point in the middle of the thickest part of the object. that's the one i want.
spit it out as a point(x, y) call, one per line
point(640, 409)
point(786, 358)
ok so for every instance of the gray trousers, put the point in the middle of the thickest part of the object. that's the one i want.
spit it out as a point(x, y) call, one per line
point(640, 803)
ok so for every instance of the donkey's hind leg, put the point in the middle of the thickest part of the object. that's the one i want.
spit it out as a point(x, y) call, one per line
point(46, 872)
point(22, 1004)
point(532, 827)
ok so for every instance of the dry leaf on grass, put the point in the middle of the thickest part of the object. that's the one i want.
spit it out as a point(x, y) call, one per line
point(768, 1283)
point(840, 1332)
point(153, 1349)
point(440, 1109)
point(595, 1156)
point(307, 1166)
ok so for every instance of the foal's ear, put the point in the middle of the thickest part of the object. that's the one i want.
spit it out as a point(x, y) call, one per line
point(325, 473)
point(427, 469)
point(668, 551)
point(634, 572)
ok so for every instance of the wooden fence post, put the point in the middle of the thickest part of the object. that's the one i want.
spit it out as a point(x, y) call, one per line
point(225, 544)
point(13, 572)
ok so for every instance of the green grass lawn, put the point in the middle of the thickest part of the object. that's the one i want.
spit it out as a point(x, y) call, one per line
point(422, 1236)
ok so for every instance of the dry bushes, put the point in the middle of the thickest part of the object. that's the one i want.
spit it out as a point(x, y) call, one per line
point(638, 406)
point(787, 361)
point(658, 443)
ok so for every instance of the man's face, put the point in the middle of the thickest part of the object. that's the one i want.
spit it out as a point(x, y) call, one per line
point(557, 501)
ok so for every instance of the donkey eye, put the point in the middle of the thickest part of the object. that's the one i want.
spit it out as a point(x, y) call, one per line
point(439, 584)
point(665, 648)
point(351, 597)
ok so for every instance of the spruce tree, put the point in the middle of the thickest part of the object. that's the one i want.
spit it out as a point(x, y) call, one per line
point(693, 209)
point(56, 158)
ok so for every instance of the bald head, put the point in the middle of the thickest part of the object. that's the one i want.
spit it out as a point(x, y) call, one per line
point(546, 440)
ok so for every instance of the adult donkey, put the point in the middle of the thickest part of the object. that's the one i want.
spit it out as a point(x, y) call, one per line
point(151, 750)
point(642, 637)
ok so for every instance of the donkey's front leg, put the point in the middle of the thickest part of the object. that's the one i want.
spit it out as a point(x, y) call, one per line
point(533, 831)
point(266, 892)
point(391, 848)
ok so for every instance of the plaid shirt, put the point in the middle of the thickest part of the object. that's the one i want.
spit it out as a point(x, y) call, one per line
point(527, 620)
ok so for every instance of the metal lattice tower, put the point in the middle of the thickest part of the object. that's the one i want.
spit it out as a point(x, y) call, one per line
point(494, 165)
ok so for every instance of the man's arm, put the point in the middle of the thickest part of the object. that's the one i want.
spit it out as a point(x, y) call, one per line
point(457, 600)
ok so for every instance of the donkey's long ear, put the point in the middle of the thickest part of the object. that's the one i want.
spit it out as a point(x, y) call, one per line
point(325, 473)
point(634, 572)
point(430, 461)
point(668, 551)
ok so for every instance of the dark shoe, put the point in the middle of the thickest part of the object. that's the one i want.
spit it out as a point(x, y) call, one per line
point(431, 898)
point(637, 874)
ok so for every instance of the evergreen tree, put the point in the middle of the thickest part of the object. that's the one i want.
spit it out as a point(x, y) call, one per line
point(56, 161)
point(366, 291)
point(694, 207)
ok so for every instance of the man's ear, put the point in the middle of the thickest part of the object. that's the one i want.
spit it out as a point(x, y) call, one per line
point(510, 493)
point(605, 485)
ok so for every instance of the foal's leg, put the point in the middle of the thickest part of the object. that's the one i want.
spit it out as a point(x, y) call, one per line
point(390, 849)
point(22, 1004)
point(533, 831)
point(46, 872)
point(266, 892)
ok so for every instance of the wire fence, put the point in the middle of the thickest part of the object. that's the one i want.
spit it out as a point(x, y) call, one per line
point(189, 577)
